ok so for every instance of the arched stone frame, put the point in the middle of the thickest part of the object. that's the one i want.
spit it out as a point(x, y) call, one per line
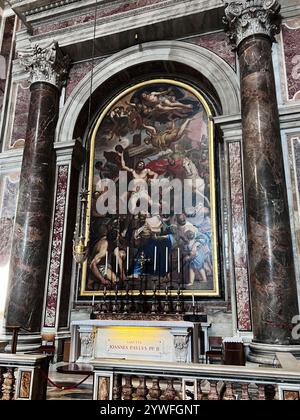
point(211, 66)
point(221, 76)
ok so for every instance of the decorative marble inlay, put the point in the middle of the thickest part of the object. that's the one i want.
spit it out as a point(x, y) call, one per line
point(25, 382)
point(291, 46)
point(296, 144)
point(57, 242)
point(251, 17)
point(293, 144)
point(239, 239)
point(45, 64)
point(103, 388)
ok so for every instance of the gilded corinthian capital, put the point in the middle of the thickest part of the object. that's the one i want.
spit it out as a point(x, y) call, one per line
point(245, 18)
point(45, 64)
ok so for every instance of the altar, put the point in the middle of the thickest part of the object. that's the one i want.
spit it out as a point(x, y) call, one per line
point(169, 341)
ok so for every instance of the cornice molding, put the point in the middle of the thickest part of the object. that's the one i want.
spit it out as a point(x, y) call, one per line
point(50, 6)
point(115, 24)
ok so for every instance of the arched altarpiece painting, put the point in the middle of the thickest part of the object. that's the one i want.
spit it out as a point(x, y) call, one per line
point(158, 130)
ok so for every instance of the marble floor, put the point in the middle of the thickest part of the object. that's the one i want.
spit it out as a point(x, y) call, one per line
point(83, 392)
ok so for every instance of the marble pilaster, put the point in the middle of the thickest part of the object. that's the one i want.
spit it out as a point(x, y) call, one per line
point(237, 241)
point(252, 26)
point(47, 68)
point(68, 160)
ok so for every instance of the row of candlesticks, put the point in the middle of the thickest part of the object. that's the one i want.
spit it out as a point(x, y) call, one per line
point(140, 305)
point(155, 260)
point(131, 301)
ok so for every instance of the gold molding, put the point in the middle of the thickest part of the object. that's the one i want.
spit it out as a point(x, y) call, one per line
point(197, 293)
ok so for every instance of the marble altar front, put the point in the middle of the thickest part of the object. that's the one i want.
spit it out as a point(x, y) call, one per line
point(169, 341)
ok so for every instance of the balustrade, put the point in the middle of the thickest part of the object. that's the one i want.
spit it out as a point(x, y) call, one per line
point(171, 382)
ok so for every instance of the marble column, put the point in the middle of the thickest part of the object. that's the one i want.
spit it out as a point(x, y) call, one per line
point(251, 27)
point(47, 69)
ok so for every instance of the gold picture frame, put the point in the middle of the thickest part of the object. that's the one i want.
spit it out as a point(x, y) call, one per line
point(215, 289)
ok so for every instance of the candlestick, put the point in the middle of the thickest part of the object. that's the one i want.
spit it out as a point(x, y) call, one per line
point(117, 260)
point(104, 308)
point(106, 262)
point(166, 303)
point(127, 259)
point(155, 259)
point(115, 303)
point(167, 259)
point(178, 307)
point(178, 259)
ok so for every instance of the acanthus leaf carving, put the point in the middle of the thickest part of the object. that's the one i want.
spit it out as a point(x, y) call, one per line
point(246, 18)
point(45, 64)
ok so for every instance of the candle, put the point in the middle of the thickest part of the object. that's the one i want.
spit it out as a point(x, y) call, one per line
point(106, 262)
point(167, 259)
point(93, 300)
point(193, 300)
point(178, 260)
point(127, 259)
point(155, 259)
point(117, 260)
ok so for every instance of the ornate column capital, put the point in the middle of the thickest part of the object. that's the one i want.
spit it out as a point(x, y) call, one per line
point(246, 18)
point(45, 64)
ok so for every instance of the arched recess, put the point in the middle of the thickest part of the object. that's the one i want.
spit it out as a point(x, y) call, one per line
point(214, 69)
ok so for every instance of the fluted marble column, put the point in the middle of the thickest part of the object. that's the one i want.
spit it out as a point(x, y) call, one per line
point(47, 68)
point(252, 26)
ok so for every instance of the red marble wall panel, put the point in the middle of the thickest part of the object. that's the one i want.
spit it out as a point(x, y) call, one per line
point(291, 48)
point(239, 240)
point(8, 203)
point(103, 12)
point(77, 73)
point(296, 144)
point(20, 115)
point(217, 43)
